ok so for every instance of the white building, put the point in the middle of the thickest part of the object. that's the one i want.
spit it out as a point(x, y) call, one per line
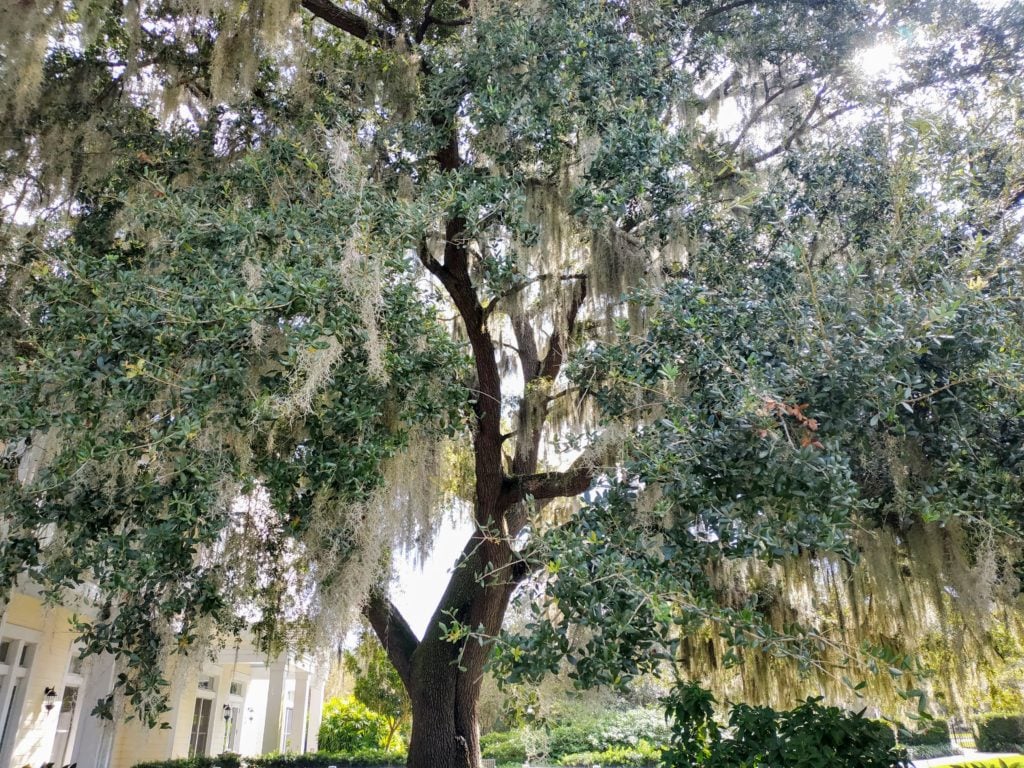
point(241, 703)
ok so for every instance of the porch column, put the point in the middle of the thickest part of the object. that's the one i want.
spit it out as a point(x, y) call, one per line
point(316, 711)
point(300, 708)
point(278, 671)
point(94, 737)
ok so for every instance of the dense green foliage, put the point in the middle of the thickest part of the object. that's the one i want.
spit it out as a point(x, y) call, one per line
point(810, 735)
point(799, 398)
point(1001, 733)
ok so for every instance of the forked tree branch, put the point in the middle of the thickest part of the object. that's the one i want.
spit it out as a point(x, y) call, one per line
point(394, 633)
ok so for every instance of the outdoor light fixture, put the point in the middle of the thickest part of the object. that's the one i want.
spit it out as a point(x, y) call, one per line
point(50, 698)
point(227, 712)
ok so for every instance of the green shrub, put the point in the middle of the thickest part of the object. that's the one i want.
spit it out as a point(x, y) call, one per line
point(1001, 733)
point(641, 756)
point(809, 736)
point(350, 726)
point(504, 746)
point(227, 760)
point(572, 739)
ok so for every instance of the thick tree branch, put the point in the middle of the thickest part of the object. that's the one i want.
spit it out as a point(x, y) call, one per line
point(554, 485)
point(347, 21)
point(542, 487)
point(555, 356)
point(454, 276)
point(394, 633)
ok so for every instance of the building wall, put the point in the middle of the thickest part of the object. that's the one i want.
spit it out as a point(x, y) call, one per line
point(48, 631)
point(257, 703)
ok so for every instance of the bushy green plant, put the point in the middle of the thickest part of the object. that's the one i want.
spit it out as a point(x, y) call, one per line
point(574, 738)
point(349, 726)
point(503, 746)
point(227, 760)
point(809, 736)
point(642, 755)
point(1001, 733)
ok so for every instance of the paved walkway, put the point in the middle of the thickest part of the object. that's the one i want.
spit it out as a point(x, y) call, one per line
point(968, 757)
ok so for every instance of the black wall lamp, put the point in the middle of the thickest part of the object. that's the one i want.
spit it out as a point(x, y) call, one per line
point(50, 698)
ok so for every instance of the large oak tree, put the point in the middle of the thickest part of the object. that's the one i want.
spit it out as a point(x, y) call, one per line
point(235, 235)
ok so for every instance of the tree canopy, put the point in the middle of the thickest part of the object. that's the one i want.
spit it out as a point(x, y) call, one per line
point(284, 284)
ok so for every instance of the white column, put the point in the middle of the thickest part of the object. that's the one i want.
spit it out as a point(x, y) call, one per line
point(94, 737)
point(316, 710)
point(275, 704)
point(300, 708)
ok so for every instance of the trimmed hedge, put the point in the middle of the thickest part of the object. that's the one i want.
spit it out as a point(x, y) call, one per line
point(1001, 733)
point(227, 760)
point(928, 751)
point(369, 758)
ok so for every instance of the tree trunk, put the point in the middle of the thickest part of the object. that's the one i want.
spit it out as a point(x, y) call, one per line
point(445, 733)
point(443, 672)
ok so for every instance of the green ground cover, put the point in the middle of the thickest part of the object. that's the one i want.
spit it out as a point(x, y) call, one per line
point(992, 762)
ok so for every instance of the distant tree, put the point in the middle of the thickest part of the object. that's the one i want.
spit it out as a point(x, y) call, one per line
point(378, 685)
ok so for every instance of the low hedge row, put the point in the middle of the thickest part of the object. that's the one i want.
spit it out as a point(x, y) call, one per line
point(1001, 733)
point(369, 758)
point(929, 751)
point(642, 756)
point(227, 760)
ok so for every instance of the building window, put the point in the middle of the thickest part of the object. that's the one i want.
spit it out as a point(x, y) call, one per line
point(198, 743)
point(237, 688)
point(286, 735)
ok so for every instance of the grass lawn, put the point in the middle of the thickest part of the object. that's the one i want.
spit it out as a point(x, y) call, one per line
point(992, 762)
